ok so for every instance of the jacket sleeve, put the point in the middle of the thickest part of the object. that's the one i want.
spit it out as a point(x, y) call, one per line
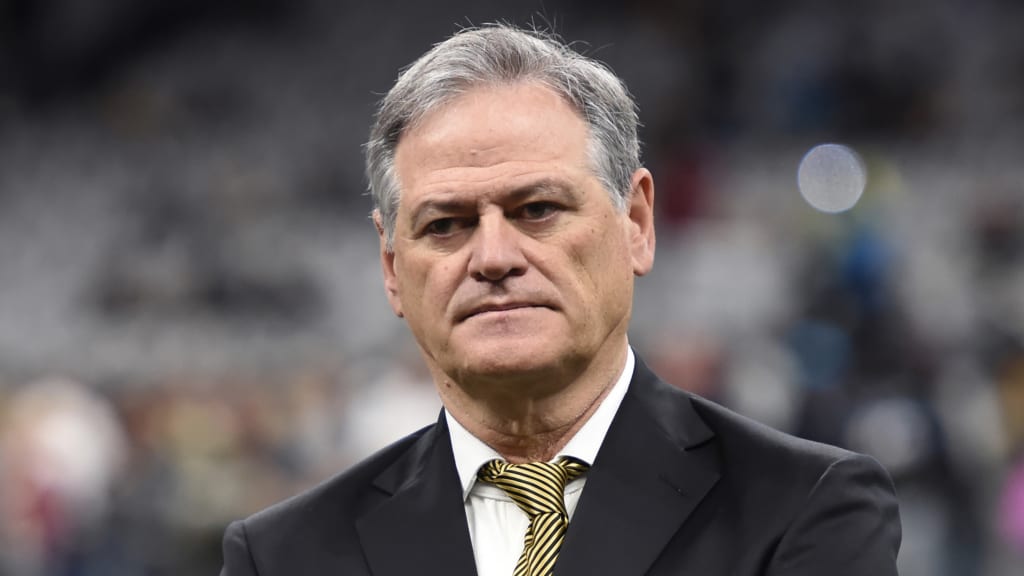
point(237, 559)
point(848, 526)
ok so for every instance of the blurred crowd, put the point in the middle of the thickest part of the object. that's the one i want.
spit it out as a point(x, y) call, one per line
point(192, 323)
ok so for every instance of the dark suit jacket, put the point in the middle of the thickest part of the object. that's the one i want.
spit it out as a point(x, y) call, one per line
point(680, 486)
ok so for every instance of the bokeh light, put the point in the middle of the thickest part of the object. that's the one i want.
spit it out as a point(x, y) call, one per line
point(831, 178)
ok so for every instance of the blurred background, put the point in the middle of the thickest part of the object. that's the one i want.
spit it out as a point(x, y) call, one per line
point(192, 324)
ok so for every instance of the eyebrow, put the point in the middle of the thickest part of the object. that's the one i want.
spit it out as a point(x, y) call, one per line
point(546, 188)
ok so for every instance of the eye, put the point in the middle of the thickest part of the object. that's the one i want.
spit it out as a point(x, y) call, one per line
point(440, 227)
point(444, 227)
point(537, 210)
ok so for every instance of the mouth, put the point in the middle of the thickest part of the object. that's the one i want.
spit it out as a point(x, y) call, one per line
point(500, 307)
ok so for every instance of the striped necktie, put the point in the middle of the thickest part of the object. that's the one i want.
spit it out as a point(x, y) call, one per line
point(539, 490)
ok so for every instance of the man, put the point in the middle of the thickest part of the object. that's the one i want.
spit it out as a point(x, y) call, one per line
point(513, 215)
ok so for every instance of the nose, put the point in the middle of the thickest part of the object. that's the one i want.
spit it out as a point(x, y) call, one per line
point(496, 251)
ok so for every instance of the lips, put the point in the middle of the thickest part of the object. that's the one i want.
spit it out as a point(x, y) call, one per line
point(498, 307)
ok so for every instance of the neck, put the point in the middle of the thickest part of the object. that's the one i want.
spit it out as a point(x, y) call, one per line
point(534, 426)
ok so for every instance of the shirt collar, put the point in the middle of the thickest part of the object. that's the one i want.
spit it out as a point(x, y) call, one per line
point(471, 453)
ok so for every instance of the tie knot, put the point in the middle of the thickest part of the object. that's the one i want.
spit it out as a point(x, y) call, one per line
point(536, 487)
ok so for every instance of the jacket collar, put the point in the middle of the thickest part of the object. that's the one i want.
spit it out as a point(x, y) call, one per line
point(655, 466)
point(422, 527)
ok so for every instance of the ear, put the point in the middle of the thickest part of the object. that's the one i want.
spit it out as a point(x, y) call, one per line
point(387, 264)
point(641, 219)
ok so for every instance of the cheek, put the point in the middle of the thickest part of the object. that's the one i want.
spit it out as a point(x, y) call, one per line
point(601, 262)
point(418, 269)
point(433, 287)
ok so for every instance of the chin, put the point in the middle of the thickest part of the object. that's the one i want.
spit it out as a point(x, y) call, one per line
point(508, 357)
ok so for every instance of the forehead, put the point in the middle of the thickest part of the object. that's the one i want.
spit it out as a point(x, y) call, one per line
point(489, 135)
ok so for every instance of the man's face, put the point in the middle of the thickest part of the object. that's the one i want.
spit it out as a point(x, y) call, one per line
point(510, 263)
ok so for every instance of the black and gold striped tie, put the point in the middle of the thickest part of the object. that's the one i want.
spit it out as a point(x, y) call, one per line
point(539, 490)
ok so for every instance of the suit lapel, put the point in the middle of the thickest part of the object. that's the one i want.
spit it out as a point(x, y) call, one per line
point(422, 527)
point(653, 469)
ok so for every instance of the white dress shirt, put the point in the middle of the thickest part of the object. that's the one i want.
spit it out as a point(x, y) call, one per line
point(497, 526)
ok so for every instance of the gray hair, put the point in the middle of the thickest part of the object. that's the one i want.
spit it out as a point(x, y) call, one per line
point(502, 54)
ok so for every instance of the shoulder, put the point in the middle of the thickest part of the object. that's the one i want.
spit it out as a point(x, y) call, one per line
point(742, 443)
point(327, 511)
point(757, 465)
point(759, 443)
point(811, 507)
point(827, 506)
point(768, 463)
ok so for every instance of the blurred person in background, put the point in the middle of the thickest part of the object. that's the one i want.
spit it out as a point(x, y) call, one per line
point(513, 216)
point(63, 449)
